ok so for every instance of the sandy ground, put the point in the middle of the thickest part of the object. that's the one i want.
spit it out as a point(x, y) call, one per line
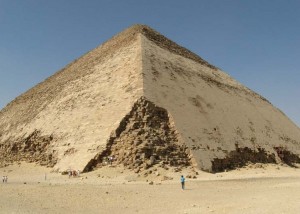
point(254, 189)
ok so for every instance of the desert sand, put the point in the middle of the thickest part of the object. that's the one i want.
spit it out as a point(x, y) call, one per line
point(255, 189)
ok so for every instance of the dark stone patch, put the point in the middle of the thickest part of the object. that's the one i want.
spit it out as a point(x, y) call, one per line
point(34, 148)
point(241, 157)
point(286, 156)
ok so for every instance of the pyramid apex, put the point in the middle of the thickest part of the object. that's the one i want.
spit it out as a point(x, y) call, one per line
point(164, 42)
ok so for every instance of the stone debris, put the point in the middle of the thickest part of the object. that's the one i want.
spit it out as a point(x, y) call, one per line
point(165, 178)
point(242, 157)
point(34, 148)
point(144, 139)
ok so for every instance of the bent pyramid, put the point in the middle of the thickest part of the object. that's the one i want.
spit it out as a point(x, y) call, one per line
point(145, 100)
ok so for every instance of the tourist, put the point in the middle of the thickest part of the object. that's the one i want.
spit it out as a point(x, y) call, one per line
point(182, 179)
point(3, 178)
point(111, 159)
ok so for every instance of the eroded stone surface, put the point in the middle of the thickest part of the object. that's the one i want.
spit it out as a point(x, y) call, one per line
point(241, 157)
point(145, 137)
point(34, 148)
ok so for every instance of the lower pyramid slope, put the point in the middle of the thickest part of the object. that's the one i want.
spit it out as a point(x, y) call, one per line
point(144, 100)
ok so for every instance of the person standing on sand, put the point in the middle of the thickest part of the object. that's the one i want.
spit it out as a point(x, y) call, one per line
point(3, 178)
point(182, 179)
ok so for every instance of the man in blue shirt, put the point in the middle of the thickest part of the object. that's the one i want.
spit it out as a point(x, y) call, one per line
point(182, 179)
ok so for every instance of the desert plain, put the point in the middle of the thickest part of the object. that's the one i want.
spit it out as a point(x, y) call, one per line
point(257, 188)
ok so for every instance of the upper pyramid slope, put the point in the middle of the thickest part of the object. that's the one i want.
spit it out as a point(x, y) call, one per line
point(138, 87)
point(168, 44)
point(83, 66)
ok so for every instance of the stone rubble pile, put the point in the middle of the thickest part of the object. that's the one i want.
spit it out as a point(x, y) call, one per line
point(146, 138)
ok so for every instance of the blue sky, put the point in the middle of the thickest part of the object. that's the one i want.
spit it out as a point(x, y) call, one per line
point(257, 42)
